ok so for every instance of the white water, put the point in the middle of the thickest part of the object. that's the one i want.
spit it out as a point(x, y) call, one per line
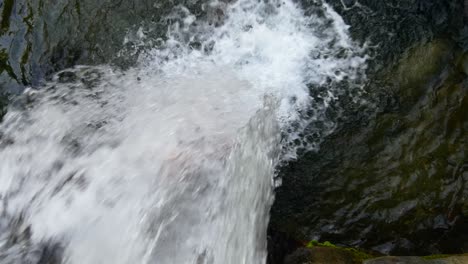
point(173, 160)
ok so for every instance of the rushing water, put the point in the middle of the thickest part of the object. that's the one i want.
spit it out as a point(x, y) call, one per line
point(172, 161)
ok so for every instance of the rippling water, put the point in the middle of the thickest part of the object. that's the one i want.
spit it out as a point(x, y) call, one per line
point(173, 160)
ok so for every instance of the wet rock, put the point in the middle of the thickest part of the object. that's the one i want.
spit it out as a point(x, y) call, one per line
point(67, 76)
point(395, 182)
point(320, 255)
point(38, 38)
point(396, 25)
point(3, 105)
point(465, 64)
point(17, 245)
point(466, 8)
point(418, 260)
point(280, 245)
point(397, 260)
point(41, 37)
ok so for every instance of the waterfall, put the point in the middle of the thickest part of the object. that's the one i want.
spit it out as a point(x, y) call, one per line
point(172, 160)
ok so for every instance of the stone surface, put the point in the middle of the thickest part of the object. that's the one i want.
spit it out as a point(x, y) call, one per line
point(39, 37)
point(418, 260)
point(397, 260)
point(454, 260)
point(396, 25)
point(465, 64)
point(395, 180)
point(320, 255)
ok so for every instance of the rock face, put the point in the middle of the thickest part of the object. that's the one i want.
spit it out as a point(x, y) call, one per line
point(398, 183)
point(395, 25)
point(38, 37)
point(394, 181)
point(41, 37)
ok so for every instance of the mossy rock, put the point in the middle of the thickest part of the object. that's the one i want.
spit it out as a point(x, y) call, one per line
point(418, 66)
point(356, 255)
point(436, 259)
point(320, 255)
point(394, 182)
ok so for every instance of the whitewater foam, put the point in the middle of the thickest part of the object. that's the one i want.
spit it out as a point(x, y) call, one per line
point(173, 161)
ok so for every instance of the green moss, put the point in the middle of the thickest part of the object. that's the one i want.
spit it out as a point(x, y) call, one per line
point(6, 13)
point(358, 255)
point(25, 56)
point(422, 62)
point(315, 243)
point(78, 8)
point(28, 20)
point(5, 65)
point(24, 61)
point(417, 68)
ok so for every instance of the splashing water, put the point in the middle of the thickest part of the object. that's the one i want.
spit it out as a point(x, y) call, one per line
point(173, 160)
